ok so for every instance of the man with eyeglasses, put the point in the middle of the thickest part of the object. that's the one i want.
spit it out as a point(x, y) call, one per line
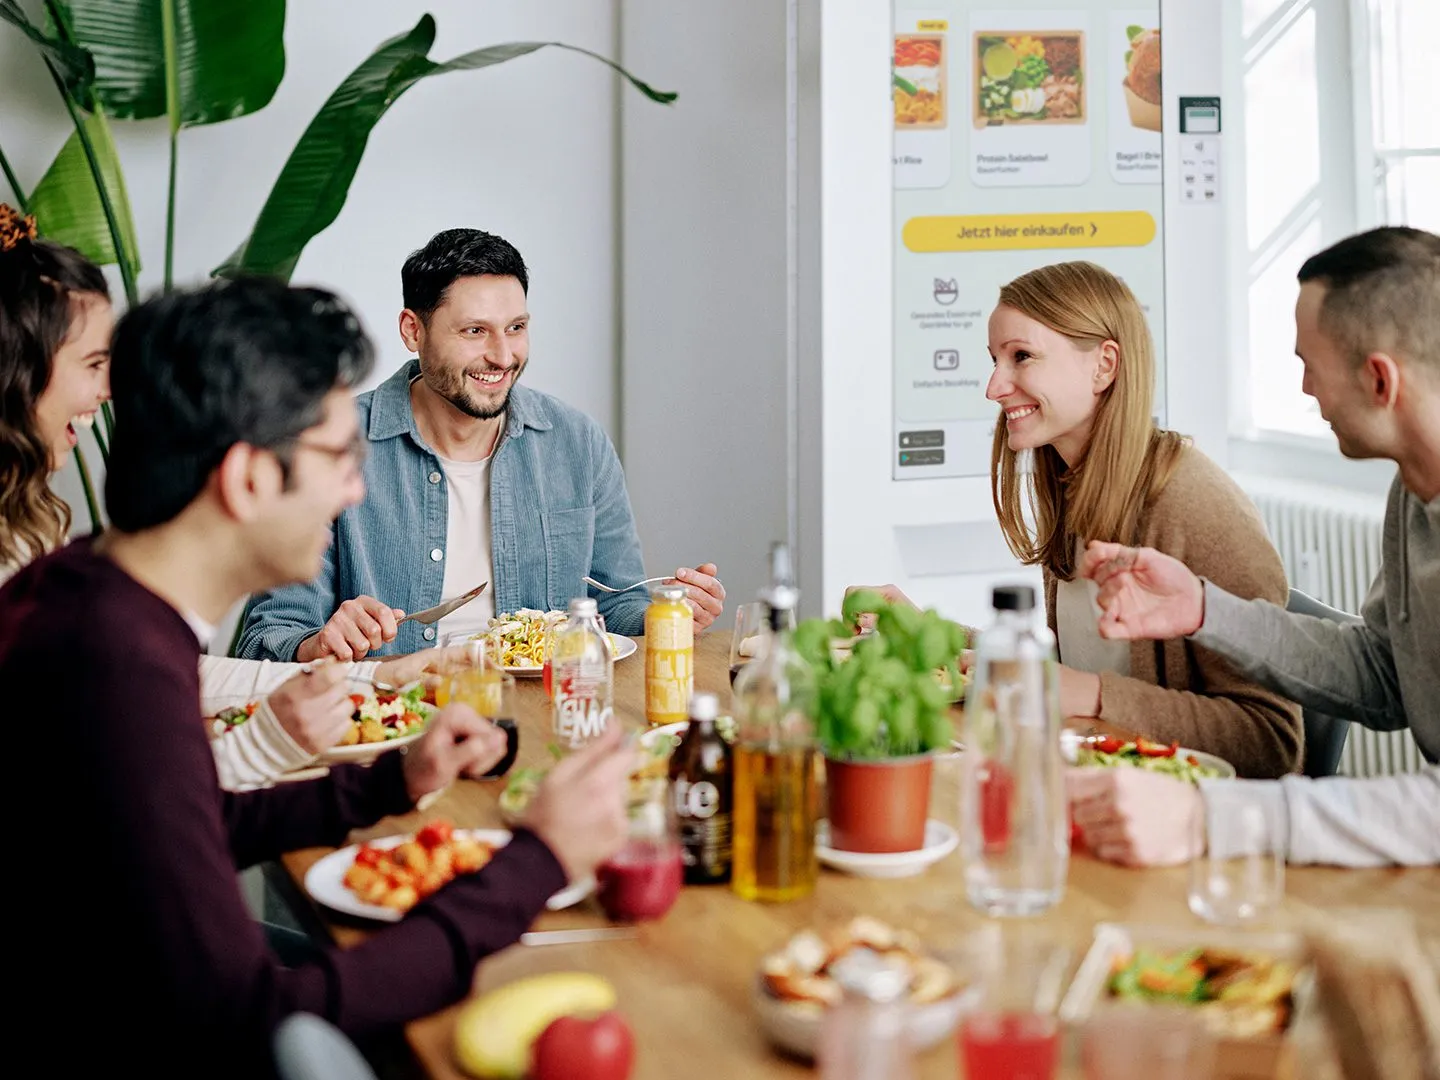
point(471, 478)
point(231, 457)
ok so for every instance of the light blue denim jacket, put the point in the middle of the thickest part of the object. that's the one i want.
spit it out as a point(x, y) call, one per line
point(558, 510)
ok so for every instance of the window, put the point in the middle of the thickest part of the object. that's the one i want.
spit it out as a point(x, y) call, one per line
point(1340, 133)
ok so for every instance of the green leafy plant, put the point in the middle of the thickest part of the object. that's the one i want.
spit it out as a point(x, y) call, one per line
point(196, 62)
point(884, 699)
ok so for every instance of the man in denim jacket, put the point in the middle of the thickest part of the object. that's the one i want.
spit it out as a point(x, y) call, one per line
point(469, 478)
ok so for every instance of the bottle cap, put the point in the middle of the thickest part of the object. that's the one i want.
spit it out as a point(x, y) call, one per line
point(583, 605)
point(704, 707)
point(865, 972)
point(1013, 598)
point(672, 593)
point(781, 597)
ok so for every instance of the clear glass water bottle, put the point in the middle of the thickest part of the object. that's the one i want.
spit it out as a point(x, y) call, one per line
point(582, 676)
point(1014, 816)
point(865, 1037)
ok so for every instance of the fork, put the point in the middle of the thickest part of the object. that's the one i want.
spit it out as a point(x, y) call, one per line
point(606, 588)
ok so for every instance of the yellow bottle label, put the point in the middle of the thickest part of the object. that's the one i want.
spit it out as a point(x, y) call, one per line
point(669, 662)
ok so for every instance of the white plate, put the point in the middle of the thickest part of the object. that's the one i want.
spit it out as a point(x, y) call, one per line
point(940, 840)
point(325, 881)
point(624, 646)
point(364, 753)
point(795, 1025)
point(1070, 745)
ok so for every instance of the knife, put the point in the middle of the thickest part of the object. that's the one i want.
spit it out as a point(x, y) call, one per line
point(568, 937)
point(430, 616)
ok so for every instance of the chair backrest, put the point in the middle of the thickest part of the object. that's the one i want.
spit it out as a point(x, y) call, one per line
point(1324, 735)
point(309, 1048)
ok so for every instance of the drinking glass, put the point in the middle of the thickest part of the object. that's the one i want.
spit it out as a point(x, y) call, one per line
point(1013, 1031)
point(1149, 1042)
point(1239, 878)
point(749, 632)
point(463, 673)
point(641, 881)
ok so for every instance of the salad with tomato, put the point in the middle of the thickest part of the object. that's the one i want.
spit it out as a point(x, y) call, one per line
point(1170, 759)
point(379, 715)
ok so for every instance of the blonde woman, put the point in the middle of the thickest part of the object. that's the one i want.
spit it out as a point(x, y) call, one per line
point(1075, 381)
point(55, 325)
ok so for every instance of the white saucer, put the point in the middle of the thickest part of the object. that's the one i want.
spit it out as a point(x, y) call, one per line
point(940, 840)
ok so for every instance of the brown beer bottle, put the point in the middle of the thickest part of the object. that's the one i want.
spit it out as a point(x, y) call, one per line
point(701, 787)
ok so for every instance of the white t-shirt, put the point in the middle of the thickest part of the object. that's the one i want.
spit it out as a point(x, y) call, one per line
point(467, 545)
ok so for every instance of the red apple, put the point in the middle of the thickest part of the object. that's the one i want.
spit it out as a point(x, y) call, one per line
point(584, 1048)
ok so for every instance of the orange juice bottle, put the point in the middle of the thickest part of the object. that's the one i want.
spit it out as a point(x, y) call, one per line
point(669, 656)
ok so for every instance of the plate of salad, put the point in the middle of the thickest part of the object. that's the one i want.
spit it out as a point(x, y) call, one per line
point(381, 721)
point(1171, 759)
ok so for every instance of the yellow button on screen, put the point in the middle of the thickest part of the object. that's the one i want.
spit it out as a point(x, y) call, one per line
point(932, 24)
point(1010, 232)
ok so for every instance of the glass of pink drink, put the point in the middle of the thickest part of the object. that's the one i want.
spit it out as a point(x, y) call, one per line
point(1013, 1031)
point(643, 879)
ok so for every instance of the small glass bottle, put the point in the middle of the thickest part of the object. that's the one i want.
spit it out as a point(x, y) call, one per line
point(1014, 835)
point(582, 675)
point(669, 655)
point(701, 786)
point(865, 1037)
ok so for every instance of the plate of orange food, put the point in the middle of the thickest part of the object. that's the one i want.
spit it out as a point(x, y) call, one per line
point(383, 879)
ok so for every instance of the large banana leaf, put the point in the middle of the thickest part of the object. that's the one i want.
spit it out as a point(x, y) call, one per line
point(312, 187)
point(66, 202)
point(226, 56)
point(74, 66)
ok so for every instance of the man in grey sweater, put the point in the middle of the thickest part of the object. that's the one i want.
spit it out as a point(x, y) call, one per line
point(1368, 332)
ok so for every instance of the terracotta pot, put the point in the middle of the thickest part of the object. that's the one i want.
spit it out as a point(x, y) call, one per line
point(878, 805)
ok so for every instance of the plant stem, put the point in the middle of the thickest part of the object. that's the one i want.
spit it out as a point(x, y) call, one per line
point(104, 446)
point(14, 182)
point(122, 256)
point(108, 415)
point(97, 523)
point(92, 105)
point(172, 110)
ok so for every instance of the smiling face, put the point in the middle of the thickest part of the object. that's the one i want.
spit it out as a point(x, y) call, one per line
point(1048, 386)
point(79, 376)
point(475, 345)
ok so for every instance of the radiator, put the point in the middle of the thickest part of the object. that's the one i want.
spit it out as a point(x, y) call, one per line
point(1331, 550)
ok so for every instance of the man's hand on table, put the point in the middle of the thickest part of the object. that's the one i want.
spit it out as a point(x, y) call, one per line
point(1143, 593)
point(1136, 818)
point(360, 626)
point(456, 743)
point(580, 808)
point(314, 708)
point(704, 593)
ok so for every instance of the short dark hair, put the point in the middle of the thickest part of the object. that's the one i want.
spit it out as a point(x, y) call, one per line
point(1382, 291)
point(455, 253)
point(195, 372)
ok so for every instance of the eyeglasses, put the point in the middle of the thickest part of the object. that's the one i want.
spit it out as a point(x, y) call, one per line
point(352, 453)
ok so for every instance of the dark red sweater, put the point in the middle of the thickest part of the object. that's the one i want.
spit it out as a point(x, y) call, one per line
point(134, 945)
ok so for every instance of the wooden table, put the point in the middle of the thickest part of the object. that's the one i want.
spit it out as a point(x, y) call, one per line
point(685, 982)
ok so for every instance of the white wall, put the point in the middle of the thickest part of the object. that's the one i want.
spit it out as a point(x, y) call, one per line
point(703, 279)
point(526, 150)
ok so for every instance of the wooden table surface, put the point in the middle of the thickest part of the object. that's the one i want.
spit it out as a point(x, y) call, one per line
point(685, 982)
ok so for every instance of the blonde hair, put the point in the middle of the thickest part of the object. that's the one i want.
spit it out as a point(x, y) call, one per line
point(1129, 459)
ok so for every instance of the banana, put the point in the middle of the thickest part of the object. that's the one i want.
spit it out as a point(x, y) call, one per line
point(494, 1032)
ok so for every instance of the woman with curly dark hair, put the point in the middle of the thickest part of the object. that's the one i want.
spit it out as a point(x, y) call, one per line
point(55, 324)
